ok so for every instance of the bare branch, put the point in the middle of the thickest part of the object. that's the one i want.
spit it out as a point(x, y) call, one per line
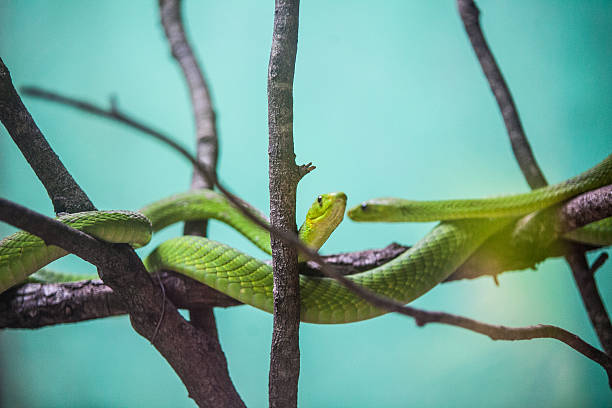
point(468, 270)
point(591, 298)
point(187, 349)
point(517, 333)
point(36, 305)
point(520, 145)
point(526, 160)
point(599, 262)
point(206, 136)
point(284, 177)
point(204, 115)
point(65, 193)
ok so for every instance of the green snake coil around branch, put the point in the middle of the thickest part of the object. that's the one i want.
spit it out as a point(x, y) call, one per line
point(464, 226)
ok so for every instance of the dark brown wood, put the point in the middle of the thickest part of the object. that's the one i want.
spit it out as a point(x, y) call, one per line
point(284, 177)
point(65, 193)
point(520, 145)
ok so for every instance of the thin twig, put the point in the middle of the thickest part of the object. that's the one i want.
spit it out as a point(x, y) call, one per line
point(599, 262)
point(378, 301)
point(518, 333)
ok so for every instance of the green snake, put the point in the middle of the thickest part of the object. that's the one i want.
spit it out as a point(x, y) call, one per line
point(464, 226)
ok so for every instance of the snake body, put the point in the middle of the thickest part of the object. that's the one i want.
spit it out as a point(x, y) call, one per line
point(467, 224)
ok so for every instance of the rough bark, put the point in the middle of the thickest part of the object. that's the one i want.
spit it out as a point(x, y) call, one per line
point(190, 351)
point(284, 177)
point(65, 193)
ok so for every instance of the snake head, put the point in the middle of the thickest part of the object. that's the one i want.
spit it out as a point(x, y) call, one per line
point(377, 209)
point(324, 215)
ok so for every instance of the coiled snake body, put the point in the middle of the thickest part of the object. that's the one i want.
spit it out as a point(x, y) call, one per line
point(465, 225)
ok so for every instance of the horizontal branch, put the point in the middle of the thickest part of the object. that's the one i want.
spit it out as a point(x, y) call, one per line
point(496, 332)
point(36, 305)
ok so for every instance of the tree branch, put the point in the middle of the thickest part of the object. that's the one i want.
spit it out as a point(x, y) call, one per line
point(36, 305)
point(469, 270)
point(591, 298)
point(65, 193)
point(187, 349)
point(151, 315)
point(518, 333)
point(201, 316)
point(204, 115)
point(284, 177)
point(520, 145)
point(524, 156)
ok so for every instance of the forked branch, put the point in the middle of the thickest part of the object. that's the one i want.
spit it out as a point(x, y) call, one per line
point(323, 267)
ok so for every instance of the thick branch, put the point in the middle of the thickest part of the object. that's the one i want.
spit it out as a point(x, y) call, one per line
point(36, 305)
point(520, 145)
point(187, 349)
point(284, 177)
point(65, 193)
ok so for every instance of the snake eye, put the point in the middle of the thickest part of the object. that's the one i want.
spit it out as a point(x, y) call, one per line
point(364, 206)
point(320, 200)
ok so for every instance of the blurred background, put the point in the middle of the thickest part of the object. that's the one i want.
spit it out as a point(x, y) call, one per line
point(389, 101)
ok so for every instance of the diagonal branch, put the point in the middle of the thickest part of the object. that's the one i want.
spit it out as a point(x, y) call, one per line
point(591, 297)
point(524, 156)
point(65, 193)
point(190, 351)
point(520, 145)
point(313, 256)
point(151, 314)
point(203, 113)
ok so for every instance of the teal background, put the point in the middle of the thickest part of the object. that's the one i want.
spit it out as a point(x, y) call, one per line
point(389, 101)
